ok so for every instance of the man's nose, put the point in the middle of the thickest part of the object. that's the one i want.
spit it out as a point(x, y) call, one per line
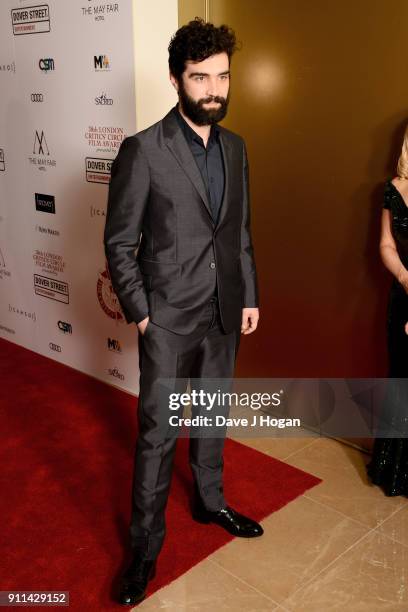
point(212, 87)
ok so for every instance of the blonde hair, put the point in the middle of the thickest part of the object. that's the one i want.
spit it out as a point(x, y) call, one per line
point(402, 167)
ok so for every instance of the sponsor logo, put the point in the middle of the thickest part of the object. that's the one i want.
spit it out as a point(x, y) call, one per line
point(55, 347)
point(37, 97)
point(107, 297)
point(7, 329)
point(51, 288)
point(31, 20)
point(97, 212)
point(101, 63)
point(47, 230)
point(98, 169)
point(50, 263)
point(103, 100)
point(22, 313)
point(115, 373)
point(45, 203)
point(65, 327)
point(104, 138)
point(4, 273)
point(100, 10)
point(40, 144)
point(41, 151)
point(46, 64)
point(2, 162)
point(9, 67)
point(114, 345)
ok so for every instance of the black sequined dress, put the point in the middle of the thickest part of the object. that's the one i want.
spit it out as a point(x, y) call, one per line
point(388, 467)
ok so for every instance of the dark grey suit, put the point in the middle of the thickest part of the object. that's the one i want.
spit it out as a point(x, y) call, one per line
point(157, 192)
point(156, 188)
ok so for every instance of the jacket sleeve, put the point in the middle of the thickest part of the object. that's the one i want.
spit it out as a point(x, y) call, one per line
point(249, 275)
point(127, 199)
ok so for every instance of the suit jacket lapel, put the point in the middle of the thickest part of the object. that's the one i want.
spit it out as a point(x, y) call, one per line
point(178, 146)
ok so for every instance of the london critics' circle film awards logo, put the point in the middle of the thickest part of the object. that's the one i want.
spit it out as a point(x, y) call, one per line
point(107, 297)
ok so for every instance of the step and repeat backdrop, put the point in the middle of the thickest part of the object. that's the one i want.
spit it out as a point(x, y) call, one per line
point(67, 101)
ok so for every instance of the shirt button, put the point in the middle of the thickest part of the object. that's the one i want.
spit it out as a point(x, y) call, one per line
point(212, 265)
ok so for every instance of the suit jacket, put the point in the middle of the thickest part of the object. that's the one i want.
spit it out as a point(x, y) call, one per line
point(158, 204)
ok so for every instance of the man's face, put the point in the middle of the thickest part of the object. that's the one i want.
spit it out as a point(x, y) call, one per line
point(204, 89)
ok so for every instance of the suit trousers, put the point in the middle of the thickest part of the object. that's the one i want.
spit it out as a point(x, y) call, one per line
point(206, 353)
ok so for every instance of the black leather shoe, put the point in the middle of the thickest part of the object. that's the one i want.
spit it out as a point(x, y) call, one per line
point(233, 522)
point(135, 578)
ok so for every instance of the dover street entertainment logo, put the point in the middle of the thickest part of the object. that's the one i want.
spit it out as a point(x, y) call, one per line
point(31, 20)
point(51, 288)
point(98, 169)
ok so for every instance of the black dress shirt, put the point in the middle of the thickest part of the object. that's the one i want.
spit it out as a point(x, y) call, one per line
point(209, 161)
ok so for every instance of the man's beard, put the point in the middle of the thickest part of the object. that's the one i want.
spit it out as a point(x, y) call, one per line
point(199, 115)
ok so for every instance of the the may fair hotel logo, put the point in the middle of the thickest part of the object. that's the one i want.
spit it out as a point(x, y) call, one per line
point(31, 20)
point(41, 156)
point(99, 11)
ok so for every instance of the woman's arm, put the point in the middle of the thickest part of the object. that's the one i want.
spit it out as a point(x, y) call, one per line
point(388, 251)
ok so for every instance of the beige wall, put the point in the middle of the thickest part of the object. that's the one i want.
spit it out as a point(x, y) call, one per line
point(154, 24)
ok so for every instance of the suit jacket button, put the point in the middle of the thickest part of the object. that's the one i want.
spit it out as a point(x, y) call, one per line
point(212, 265)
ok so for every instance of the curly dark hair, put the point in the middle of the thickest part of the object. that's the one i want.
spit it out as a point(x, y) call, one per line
point(198, 40)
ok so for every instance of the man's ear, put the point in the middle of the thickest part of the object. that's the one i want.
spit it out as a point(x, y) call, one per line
point(174, 82)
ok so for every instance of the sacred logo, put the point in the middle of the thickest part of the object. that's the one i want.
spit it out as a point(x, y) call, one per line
point(107, 297)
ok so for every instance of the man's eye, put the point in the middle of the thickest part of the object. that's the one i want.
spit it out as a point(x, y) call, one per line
point(199, 78)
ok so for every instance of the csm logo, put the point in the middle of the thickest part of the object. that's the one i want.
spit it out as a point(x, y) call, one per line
point(46, 64)
point(65, 327)
point(55, 347)
point(114, 345)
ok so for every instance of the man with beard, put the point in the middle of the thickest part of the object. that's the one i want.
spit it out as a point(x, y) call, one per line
point(182, 186)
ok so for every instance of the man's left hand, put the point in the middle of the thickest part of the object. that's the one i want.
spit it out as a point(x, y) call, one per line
point(250, 318)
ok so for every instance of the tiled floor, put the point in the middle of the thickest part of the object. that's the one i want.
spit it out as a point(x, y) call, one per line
point(343, 545)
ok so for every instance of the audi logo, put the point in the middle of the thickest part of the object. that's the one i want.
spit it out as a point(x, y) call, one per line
point(37, 97)
point(55, 347)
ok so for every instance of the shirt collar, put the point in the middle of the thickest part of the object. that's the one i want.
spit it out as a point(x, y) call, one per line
point(191, 134)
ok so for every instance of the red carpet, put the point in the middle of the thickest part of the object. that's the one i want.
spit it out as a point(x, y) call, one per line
point(66, 467)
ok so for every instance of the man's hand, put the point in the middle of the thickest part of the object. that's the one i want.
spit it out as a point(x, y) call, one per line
point(250, 318)
point(142, 325)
